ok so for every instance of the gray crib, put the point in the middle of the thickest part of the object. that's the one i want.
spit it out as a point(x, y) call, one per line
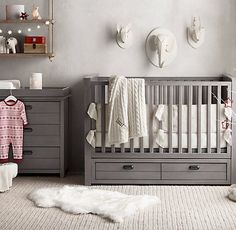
point(143, 162)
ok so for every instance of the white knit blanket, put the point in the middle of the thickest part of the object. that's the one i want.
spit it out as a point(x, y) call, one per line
point(127, 109)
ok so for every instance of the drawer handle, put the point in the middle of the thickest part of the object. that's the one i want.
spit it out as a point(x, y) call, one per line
point(28, 107)
point(27, 152)
point(28, 130)
point(128, 167)
point(194, 167)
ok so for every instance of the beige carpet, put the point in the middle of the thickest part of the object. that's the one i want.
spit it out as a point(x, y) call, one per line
point(182, 207)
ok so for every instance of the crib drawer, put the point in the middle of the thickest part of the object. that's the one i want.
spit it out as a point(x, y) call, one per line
point(194, 171)
point(127, 171)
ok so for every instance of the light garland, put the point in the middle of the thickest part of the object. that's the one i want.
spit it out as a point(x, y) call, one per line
point(20, 31)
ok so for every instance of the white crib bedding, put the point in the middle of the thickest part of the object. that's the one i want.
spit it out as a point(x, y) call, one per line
point(155, 125)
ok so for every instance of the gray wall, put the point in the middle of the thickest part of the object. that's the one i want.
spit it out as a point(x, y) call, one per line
point(85, 45)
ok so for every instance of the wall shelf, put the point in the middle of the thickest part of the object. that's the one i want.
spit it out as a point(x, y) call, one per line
point(49, 33)
point(34, 21)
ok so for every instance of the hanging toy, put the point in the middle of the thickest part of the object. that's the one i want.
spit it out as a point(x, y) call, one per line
point(228, 102)
point(35, 13)
point(24, 16)
point(225, 124)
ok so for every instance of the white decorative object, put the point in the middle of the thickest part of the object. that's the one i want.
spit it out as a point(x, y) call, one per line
point(8, 171)
point(124, 37)
point(11, 45)
point(35, 13)
point(14, 11)
point(2, 45)
point(232, 192)
point(82, 200)
point(36, 81)
point(161, 47)
point(196, 33)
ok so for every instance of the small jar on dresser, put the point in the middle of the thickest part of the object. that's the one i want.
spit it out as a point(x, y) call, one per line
point(45, 147)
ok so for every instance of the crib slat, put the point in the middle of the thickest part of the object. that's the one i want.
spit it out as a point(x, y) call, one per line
point(103, 117)
point(150, 102)
point(122, 147)
point(180, 118)
point(218, 123)
point(141, 149)
point(209, 119)
point(93, 122)
point(170, 117)
point(199, 104)
point(190, 100)
point(160, 102)
point(229, 95)
point(131, 142)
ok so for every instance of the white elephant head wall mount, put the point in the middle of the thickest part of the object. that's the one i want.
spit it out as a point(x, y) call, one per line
point(161, 47)
point(196, 33)
point(124, 37)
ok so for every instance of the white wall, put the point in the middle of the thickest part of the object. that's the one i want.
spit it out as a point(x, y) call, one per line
point(85, 44)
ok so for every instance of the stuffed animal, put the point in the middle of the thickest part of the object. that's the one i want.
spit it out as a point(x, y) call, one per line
point(2, 45)
point(11, 45)
point(35, 13)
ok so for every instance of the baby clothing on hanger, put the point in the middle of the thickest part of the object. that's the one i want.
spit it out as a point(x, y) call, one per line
point(12, 121)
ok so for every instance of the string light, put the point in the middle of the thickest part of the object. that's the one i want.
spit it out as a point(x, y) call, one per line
point(47, 22)
point(19, 31)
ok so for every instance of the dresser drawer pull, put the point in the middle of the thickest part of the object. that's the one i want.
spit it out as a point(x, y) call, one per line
point(128, 167)
point(27, 152)
point(28, 130)
point(28, 107)
point(194, 167)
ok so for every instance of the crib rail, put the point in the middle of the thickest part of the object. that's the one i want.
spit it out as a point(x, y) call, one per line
point(169, 91)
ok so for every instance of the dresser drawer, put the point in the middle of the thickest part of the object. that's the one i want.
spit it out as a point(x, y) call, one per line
point(194, 171)
point(39, 164)
point(37, 141)
point(39, 153)
point(127, 171)
point(42, 107)
point(42, 130)
point(47, 119)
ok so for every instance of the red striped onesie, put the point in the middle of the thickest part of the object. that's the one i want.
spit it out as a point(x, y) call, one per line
point(12, 121)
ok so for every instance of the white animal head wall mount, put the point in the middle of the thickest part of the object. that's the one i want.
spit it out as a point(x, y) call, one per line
point(161, 47)
point(196, 33)
point(124, 37)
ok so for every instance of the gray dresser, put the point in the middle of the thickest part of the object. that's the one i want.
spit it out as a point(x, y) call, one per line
point(46, 135)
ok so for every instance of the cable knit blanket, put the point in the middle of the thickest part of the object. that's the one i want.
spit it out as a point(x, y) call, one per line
point(127, 110)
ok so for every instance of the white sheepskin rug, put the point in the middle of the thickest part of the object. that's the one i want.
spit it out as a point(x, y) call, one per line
point(81, 200)
point(232, 193)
